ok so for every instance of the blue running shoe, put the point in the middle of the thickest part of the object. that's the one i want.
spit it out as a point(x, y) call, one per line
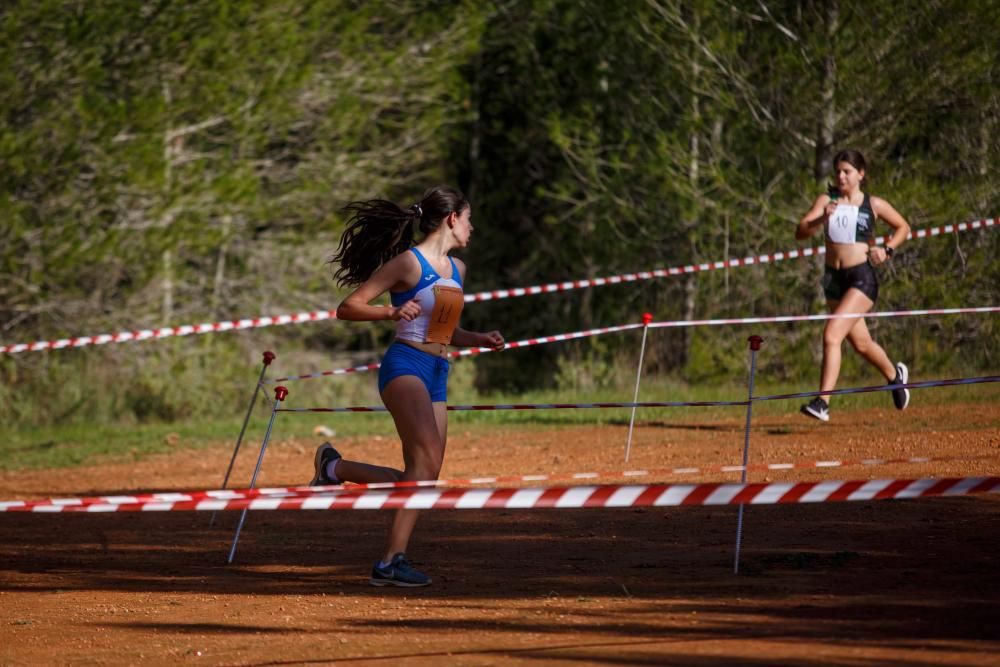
point(325, 453)
point(399, 572)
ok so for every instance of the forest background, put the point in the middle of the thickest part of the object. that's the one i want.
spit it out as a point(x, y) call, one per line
point(166, 163)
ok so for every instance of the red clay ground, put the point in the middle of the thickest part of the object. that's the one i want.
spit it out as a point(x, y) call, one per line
point(891, 582)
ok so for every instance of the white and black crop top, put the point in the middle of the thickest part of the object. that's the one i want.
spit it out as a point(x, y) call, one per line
point(852, 224)
point(441, 302)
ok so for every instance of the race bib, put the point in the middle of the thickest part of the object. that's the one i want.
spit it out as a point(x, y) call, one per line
point(843, 224)
point(448, 303)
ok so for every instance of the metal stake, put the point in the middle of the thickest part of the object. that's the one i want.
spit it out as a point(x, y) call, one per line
point(755, 342)
point(279, 395)
point(646, 319)
point(268, 358)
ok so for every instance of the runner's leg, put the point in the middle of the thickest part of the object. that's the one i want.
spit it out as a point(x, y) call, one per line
point(416, 420)
point(861, 340)
point(854, 301)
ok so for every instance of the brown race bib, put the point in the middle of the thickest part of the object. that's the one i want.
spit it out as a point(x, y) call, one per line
point(448, 303)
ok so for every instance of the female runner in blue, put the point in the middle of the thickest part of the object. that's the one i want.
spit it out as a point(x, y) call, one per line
point(847, 215)
point(425, 289)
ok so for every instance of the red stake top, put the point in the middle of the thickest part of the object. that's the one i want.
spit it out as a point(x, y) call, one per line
point(268, 358)
point(755, 342)
point(647, 318)
point(280, 393)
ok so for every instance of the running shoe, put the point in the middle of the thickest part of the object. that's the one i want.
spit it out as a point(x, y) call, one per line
point(325, 453)
point(399, 572)
point(901, 396)
point(818, 409)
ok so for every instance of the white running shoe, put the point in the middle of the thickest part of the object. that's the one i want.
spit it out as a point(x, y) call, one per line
point(901, 397)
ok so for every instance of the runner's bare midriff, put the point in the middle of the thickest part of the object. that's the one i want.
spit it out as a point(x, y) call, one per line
point(846, 255)
point(434, 349)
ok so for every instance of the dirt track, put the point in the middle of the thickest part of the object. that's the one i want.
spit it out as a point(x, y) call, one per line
point(892, 582)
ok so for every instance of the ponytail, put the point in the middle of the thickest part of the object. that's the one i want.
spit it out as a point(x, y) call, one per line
point(378, 230)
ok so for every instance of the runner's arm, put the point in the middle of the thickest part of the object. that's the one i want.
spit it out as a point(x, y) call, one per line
point(397, 273)
point(813, 220)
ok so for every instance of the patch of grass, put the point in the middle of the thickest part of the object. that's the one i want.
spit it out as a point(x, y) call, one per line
point(78, 444)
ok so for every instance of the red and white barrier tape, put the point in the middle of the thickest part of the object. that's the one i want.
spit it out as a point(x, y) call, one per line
point(708, 266)
point(647, 472)
point(297, 491)
point(528, 342)
point(470, 351)
point(608, 495)
point(668, 404)
point(264, 321)
point(825, 316)
point(167, 332)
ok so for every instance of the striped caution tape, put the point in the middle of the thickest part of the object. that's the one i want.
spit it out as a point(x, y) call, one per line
point(571, 497)
point(825, 316)
point(296, 491)
point(315, 316)
point(168, 332)
point(708, 266)
point(528, 342)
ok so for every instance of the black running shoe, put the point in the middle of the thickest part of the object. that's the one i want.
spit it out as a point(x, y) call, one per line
point(901, 397)
point(399, 572)
point(818, 409)
point(325, 453)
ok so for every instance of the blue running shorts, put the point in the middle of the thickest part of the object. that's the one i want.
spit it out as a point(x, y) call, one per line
point(401, 359)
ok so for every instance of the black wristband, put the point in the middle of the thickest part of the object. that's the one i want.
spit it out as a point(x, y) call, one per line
point(889, 251)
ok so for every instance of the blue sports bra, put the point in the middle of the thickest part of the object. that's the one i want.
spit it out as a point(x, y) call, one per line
point(438, 316)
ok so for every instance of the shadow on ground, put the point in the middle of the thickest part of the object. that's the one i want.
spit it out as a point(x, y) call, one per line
point(889, 570)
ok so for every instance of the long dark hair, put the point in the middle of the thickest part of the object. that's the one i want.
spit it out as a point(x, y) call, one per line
point(378, 230)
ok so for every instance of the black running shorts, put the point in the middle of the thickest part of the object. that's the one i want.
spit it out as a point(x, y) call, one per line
point(836, 282)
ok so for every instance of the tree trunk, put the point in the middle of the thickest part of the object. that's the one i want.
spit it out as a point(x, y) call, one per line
point(471, 187)
point(828, 88)
point(220, 265)
point(168, 286)
point(690, 285)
